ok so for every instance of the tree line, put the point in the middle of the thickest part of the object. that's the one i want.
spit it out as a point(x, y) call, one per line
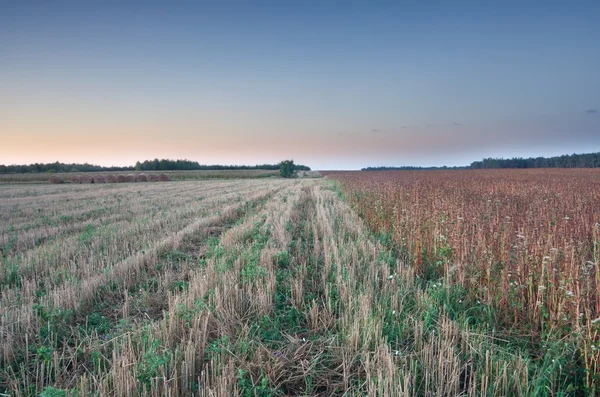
point(187, 165)
point(148, 165)
point(587, 160)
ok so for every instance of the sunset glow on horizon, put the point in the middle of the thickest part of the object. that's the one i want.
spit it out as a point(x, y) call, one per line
point(333, 87)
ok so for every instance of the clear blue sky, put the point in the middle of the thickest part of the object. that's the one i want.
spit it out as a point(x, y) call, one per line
point(333, 86)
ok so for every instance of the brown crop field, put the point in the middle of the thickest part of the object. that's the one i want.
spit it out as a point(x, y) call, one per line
point(514, 252)
point(380, 284)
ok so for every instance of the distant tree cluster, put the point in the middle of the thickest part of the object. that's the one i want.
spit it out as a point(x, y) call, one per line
point(187, 165)
point(589, 160)
point(57, 167)
point(148, 165)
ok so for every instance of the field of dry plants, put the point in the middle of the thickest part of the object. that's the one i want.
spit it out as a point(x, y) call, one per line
point(510, 254)
point(462, 283)
point(41, 177)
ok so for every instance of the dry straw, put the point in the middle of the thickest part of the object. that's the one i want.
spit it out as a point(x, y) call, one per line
point(56, 179)
point(163, 177)
point(99, 179)
point(153, 178)
point(110, 178)
point(141, 178)
point(121, 178)
point(131, 178)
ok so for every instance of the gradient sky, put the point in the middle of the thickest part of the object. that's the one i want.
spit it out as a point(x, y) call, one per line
point(334, 86)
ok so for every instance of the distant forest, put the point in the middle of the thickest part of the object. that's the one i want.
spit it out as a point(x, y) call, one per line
point(187, 165)
point(588, 160)
point(148, 165)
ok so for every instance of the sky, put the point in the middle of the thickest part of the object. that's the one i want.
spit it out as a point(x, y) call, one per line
point(333, 85)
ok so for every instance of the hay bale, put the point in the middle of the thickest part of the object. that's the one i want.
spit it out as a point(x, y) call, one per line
point(99, 179)
point(131, 178)
point(110, 178)
point(87, 179)
point(76, 179)
point(141, 178)
point(121, 178)
point(163, 177)
point(153, 178)
point(56, 179)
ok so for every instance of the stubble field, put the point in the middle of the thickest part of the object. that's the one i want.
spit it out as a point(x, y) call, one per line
point(464, 283)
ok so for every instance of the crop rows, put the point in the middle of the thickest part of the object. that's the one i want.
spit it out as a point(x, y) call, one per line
point(279, 288)
point(71, 253)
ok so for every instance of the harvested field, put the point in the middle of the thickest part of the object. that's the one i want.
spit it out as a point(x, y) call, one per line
point(277, 287)
point(166, 175)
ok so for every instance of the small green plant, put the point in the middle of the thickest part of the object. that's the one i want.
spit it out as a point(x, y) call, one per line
point(249, 389)
point(154, 363)
point(50, 391)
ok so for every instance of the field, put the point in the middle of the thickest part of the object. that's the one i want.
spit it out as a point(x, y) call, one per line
point(173, 175)
point(383, 283)
point(511, 254)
